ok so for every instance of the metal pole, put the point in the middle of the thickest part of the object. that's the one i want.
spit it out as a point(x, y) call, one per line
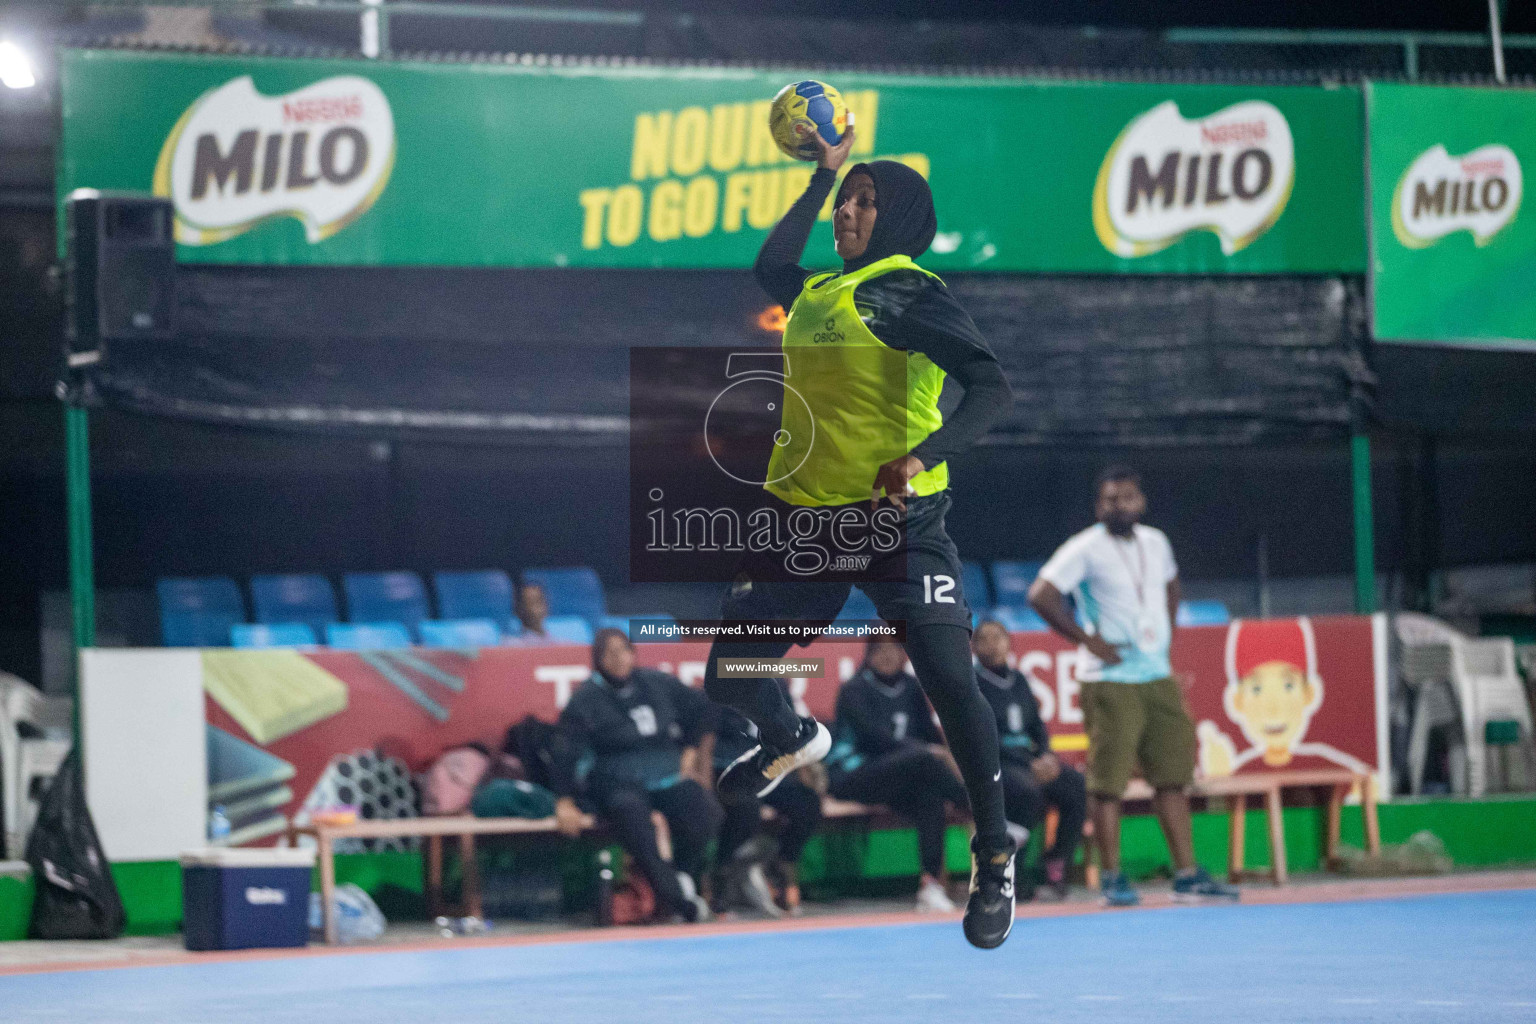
point(1497, 35)
point(82, 570)
point(1365, 539)
point(369, 42)
point(1263, 567)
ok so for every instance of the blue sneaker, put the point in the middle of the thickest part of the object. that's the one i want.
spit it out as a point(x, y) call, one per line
point(1115, 891)
point(1200, 886)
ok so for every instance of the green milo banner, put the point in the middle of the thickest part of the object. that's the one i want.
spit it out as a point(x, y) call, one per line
point(1453, 257)
point(275, 160)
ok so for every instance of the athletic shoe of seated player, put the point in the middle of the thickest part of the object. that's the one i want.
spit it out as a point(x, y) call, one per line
point(932, 898)
point(989, 910)
point(759, 771)
point(698, 904)
point(1115, 890)
point(1198, 887)
point(757, 893)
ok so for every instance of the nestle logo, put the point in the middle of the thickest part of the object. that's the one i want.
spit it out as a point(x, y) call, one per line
point(1234, 133)
point(263, 896)
point(320, 109)
point(1473, 168)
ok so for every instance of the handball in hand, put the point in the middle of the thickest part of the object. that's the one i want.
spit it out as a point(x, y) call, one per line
point(804, 110)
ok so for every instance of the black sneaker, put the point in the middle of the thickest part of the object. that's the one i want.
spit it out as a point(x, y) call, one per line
point(756, 773)
point(989, 911)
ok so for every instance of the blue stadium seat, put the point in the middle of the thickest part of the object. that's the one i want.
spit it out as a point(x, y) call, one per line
point(1011, 580)
point(1203, 613)
point(460, 633)
point(386, 597)
point(859, 607)
point(367, 636)
point(570, 629)
point(295, 597)
point(973, 580)
point(277, 634)
point(198, 611)
point(623, 621)
point(486, 594)
point(571, 591)
point(1019, 620)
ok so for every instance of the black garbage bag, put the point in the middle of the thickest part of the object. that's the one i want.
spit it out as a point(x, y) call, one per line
point(76, 896)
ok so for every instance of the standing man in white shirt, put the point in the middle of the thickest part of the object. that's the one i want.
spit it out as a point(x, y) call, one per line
point(1126, 583)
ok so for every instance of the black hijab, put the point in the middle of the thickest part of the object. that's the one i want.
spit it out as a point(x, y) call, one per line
point(905, 221)
point(600, 647)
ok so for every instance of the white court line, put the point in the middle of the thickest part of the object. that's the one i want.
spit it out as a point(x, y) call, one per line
point(1438, 1002)
point(1100, 999)
point(1357, 1001)
point(926, 995)
point(1184, 999)
point(676, 999)
point(841, 995)
point(1518, 1002)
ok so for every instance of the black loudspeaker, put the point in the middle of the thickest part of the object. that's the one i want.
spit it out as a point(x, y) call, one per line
point(120, 263)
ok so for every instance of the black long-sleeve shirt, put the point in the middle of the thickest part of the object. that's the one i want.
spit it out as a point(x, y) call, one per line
point(907, 310)
point(1020, 728)
point(631, 735)
point(876, 715)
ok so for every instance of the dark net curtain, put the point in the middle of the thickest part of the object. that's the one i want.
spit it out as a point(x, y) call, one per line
point(542, 356)
point(1149, 361)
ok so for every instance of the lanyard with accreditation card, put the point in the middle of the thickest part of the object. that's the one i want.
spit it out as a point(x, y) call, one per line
point(1146, 629)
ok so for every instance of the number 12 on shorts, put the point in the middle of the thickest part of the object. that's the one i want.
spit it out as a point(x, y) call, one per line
point(936, 589)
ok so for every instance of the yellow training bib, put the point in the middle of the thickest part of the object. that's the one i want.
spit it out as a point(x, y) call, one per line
point(851, 402)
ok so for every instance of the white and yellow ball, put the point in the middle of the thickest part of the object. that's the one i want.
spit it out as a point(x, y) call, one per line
point(803, 110)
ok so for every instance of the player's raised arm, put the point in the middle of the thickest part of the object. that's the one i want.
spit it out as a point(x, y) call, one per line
point(777, 267)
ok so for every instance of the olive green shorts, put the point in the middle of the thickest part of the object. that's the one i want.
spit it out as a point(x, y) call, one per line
point(1137, 723)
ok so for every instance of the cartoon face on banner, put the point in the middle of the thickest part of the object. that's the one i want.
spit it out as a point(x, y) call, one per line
point(1273, 691)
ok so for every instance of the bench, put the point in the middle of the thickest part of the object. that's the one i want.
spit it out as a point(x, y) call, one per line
point(465, 827)
point(1234, 789)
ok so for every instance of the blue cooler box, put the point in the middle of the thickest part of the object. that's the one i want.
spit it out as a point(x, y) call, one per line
point(245, 899)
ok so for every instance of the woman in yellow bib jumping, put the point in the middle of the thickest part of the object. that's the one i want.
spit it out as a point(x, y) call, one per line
point(868, 350)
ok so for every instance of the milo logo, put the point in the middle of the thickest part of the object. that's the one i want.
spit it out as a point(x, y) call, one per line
point(321, 154)
point(1439, 193)
point(1166, 175)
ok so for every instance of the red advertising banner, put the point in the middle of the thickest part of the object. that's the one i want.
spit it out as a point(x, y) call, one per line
point(291, 732)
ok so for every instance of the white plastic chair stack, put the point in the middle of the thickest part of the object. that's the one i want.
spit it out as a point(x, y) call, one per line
point(1487, 667)
point(1426, 669)
point(1484, 687)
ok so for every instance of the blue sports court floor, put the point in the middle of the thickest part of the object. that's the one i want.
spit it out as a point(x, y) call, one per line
point(1468, 957)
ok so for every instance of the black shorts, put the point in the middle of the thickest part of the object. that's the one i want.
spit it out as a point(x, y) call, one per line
point(918, 583)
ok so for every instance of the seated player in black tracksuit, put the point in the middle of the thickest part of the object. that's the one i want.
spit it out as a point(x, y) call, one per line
point(1033, 777)
point(744, 850)
point(887, 750)
point(633, 724)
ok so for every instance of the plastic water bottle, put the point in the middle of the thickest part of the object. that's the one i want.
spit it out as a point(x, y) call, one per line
point(604, 888)
point(218, 826)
